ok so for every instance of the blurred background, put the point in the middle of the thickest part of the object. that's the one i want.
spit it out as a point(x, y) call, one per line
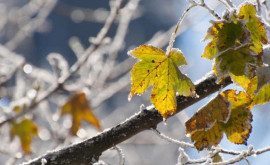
point(41, 39)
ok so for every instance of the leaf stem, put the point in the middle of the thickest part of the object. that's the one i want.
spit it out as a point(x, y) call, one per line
point(172, 39)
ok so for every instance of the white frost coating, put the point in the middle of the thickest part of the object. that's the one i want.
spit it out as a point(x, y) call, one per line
point(100, 162)
point(43, 161)
point(170, 46)
point(142, 107)
point(129, 99)
point(183, 157)
point(171, 140)
point(150, 107)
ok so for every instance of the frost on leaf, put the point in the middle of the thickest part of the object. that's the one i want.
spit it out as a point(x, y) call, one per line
point(236, 45)
point(217, 117)
point(24, 130)
point(216, 110)
point(262, 96)
point(255, 26)
point(230, 50)
point(258, 87)
point(78, 107)
point(261, 87)
point(161, 71)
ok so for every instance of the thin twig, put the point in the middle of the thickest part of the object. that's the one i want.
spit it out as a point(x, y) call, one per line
point(225, 4)
point(180, 143)
point(31, 26)
point(202, 4)
point(89, 150)
point(118, 41)
point(172, 39)
point(120, 154)
point(75, 67)
point(230, 3)
point(258, 7)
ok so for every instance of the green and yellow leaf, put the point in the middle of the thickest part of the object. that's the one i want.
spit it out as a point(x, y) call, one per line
point(262, 96)
point(207, 128)
point(157, 69)
point(229, 47)
point(224, 35)
point(258, 32)
point(217, 110)
point(236, 45)
point(78, 107)
point(24, 130)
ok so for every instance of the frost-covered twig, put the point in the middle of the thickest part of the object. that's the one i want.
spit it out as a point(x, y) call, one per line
point(120, 154)
point(76, 46)
point(172, 39)
point(32, 25)
point(118, 41)
point(202, 4)
point(225, 4)
point(89, 150)
point(180, 143)
point(267, 9)
point(75, 67)
point(183, 157)
point(230, 3)
point(259, 10)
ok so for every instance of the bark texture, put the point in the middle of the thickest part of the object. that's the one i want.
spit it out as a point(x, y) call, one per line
point(88, 151)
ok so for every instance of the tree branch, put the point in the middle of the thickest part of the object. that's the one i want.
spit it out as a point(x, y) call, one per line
point(88, 151)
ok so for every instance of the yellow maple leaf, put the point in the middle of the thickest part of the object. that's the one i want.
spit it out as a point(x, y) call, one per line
point(210, 122)
point(161, 71)
point(24, 130)
point(78, 107)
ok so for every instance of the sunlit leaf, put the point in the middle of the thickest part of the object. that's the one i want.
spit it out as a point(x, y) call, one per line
point(255, 26)
point(224, 35)
point(248, 84)
point(214, 120)
point(230, 48)
point(78, 107)
point(263, 95)
point(216, 110)
point(161, 71)
point(236, 63)
point(238, 127)
point(24, 130)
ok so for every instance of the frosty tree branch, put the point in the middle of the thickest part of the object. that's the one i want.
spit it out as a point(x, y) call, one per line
point(88, 151)
point(75, 67)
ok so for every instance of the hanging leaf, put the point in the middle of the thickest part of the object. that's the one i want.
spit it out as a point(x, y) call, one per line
point(161, 71)
point(263, 96)
point(255, 26)
point(24, 130)
point(236, 45)
point(217, 110)
point(223, 35)
point(77, 106)
point(229, 47)
point(214, 120)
